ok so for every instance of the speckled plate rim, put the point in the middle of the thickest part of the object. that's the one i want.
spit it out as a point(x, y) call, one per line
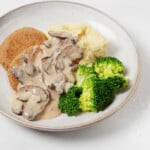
point(106, 115)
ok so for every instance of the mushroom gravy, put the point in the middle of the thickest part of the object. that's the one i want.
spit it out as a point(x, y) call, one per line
point(44, 74)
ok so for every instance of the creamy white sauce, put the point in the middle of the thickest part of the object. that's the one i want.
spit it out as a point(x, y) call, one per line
point(52, 80)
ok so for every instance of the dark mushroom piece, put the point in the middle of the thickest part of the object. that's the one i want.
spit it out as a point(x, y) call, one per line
point(60, 34)
point(63, 35)
point(74, 53)
point(69, 56)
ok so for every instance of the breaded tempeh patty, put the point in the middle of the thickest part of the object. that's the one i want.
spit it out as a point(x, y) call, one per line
point(16, 42)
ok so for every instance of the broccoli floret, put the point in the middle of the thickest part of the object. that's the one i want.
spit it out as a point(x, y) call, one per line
point(96, 95)
point(69, 102)
point(116, 82)
point(108, 66)
point(111, 70)
point(84, 72)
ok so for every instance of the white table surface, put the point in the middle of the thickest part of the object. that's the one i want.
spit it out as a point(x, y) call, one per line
point(127, 129)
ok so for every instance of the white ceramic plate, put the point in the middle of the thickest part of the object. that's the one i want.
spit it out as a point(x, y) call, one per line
point(40, 16)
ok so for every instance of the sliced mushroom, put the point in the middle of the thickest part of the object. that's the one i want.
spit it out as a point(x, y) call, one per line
point(30, 100)
point(18, 73)
point(70, 56)
point(24, 96)
point(35, 90)
point(55, 46)
point(63, 35)
point(59, 83)
point(43, 94)
point(35, 50)
point(27, 75)
point(60, 34)
point(47, 43)
point(59, 66)
point(36, 98)
point(30, 69)
point(32, 109)
point(47, 64)
point(65, 43)
point(73, 52)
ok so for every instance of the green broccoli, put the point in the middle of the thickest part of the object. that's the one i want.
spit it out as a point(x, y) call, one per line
point(96, 95)
point(108, 66)
point(116, 82)
point(69, 102)
point(84, 72)
point(95, 88)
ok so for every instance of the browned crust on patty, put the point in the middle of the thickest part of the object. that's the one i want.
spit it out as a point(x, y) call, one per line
point(16, 42)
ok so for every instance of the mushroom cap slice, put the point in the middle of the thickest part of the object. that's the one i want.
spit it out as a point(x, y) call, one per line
point(73, 52)
point(60, 34)
point(33, 100)
point(34, 90)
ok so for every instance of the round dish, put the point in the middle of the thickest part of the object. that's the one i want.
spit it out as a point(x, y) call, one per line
point(51, 13)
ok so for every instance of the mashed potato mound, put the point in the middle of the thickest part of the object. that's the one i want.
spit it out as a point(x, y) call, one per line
point(89, 39)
